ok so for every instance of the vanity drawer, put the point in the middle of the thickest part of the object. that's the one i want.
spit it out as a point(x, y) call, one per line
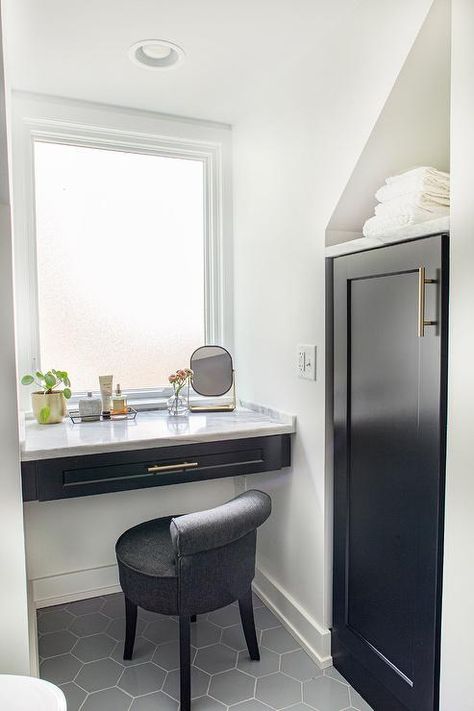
point(88, 475)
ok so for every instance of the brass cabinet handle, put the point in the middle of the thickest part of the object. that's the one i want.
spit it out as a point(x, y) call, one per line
point(171, 467)
point(422, 281)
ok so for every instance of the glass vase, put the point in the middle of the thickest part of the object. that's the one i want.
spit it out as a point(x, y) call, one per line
point(177, 405)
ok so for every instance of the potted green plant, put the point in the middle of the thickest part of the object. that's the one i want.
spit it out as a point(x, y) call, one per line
point(49, 403)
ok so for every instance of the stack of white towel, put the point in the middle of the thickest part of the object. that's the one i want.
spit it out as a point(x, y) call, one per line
point(410, 198)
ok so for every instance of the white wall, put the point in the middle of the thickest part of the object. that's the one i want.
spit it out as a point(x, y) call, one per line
point(293, 156)
point(457, 679)
point(14, 646)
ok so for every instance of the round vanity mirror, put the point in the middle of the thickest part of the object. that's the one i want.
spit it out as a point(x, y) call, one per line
point(213, 373)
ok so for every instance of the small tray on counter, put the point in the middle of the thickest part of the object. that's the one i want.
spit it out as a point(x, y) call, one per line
point(77, 419)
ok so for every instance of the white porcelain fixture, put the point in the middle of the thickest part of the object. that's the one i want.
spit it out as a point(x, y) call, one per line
point(25, 693)
point(156, 54)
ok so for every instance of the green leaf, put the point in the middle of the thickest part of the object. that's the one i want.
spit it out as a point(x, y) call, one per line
point(50, 380)
point(44, 415)
point(39, 374)
point(27, 380)
point(67, 393)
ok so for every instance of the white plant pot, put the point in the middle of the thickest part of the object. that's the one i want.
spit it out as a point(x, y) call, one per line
point(49, 409)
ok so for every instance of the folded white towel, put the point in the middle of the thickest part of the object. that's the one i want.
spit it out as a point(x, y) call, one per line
point(431, 227)
point(382, 226)
point(404, 203)
point(404, 188)
point(426, 180)
point(420, 173)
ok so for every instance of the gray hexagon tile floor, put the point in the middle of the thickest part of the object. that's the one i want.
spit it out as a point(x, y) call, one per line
point(81, 645)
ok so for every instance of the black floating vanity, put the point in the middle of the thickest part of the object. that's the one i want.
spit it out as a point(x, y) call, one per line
point(66, 461)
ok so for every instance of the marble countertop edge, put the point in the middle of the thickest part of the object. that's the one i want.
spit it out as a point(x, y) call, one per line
point(271, 412)
point(149, 431)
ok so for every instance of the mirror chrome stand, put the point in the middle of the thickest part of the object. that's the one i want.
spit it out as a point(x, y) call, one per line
point(230, 407)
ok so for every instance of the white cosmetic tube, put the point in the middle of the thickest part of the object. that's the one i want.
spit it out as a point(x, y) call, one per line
point(106, 389)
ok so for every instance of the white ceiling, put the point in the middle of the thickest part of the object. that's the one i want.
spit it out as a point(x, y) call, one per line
point(235, 49)
point(241, 54)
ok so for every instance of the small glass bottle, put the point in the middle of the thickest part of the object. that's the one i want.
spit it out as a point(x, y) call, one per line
point(119, 403)
point(90, 408)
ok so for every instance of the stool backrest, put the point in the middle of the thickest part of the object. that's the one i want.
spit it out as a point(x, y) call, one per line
point(215, 552)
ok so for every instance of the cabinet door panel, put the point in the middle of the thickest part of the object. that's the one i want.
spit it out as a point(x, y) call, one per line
point(389, 472)
point(383, 462)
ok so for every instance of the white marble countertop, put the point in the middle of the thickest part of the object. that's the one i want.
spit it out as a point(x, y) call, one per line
point(150, 429)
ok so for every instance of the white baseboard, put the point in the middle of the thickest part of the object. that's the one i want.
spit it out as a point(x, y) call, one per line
point(33, 633)
point(316, 640)
point(76, 585)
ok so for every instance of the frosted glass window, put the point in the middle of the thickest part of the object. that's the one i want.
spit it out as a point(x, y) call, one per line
point(120, 254)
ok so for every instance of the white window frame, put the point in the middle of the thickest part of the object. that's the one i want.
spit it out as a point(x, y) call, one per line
point(43, 119)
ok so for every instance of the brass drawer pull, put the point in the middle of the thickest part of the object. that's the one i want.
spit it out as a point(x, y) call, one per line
point(422, 281)
point(171, 467)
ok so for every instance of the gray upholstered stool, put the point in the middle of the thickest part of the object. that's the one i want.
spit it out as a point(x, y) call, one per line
point(193, 564)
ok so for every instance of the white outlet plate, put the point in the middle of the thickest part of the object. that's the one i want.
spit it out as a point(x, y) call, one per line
point(306, 361)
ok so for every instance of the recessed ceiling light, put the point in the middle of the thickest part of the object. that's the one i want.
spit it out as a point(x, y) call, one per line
point(156, 54)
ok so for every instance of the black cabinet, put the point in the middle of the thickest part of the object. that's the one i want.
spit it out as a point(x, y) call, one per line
point(87, 475)
point(390, 352)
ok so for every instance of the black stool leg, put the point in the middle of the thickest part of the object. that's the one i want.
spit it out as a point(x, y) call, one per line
point(193, 618)
point(185, 662)
point(130, 628)
point(248, 625)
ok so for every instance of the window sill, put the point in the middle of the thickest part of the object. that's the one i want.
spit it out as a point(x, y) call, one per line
point(142, 404)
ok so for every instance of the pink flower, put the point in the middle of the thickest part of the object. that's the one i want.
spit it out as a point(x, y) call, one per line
point(189, 371)
point(182, 373)
point(172, 378)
